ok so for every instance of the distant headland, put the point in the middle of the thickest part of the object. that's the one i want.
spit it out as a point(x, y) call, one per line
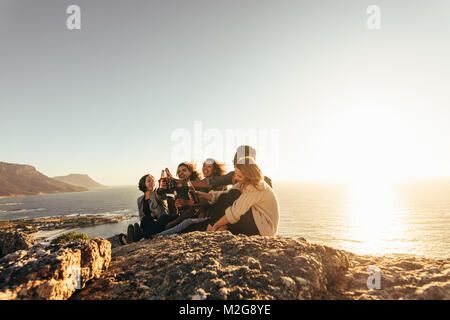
point(23, 180)
point(80, 180)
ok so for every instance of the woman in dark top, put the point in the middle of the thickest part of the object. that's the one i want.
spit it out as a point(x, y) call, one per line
point(153, 212)
point(186, 172)
point(211, 168)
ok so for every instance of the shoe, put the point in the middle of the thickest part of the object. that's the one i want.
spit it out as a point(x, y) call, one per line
point(123, 239)
point(130, 233)
point(137, 232)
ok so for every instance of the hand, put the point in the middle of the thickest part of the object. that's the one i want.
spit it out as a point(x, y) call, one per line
point(183, 203)
point(222, 228)
point(163, 184)
point(204, 195)
point(180, 183)
point(169, 225)
point(214, 228)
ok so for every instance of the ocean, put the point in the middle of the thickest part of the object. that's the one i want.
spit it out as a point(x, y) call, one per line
point(407, 218)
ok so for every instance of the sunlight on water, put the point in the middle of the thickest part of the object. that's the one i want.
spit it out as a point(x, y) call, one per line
point(368, 217)
point(373, 218)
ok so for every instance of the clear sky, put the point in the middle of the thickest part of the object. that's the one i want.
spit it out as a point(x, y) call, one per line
point(346, 101)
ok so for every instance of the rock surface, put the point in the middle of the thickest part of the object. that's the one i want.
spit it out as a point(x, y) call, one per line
point(220, 265)
point(13, 241)
point(52, 272)
point(115, 240)
point(401, 277)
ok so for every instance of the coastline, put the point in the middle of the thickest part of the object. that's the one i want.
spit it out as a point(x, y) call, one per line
point(40, 194)
point(44, 229)
point(48, 227)
point(44, 237)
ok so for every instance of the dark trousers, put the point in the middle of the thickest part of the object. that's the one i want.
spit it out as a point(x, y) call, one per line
point(150, 226)
point(246, 225)
point(183, 214)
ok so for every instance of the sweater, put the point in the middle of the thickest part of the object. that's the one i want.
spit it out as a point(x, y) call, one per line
point(261, 200)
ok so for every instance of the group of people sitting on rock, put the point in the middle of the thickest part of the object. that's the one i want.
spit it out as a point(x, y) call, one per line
point(248, 207)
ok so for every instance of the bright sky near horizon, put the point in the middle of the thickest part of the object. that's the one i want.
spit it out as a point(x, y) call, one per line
point(346, 101)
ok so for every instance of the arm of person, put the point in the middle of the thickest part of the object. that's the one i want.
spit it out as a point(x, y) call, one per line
point(215, 182)
point(210, 197)
point(139, 203)
point(219, 225)
point(239, 207)
point(187, 214)
point(160, 194)
point(170, 224)
point(221, 181)
point(202, 184)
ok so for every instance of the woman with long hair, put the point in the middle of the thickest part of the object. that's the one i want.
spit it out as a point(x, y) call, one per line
point(186, 171)
point(153, 212)
point(250, 207)
point(211, 169)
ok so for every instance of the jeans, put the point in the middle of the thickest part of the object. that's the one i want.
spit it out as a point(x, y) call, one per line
point(181, 226)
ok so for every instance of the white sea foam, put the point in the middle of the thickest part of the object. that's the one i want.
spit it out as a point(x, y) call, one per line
point(21, 210)
point(11, 204)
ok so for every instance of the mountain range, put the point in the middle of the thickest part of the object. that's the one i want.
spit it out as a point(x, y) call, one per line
point(80, 180)
point(19, 180)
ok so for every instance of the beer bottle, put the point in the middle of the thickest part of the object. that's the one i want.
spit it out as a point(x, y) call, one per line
point(175, 197)
point(192, 192)
point(171, 181)
point(163, 178)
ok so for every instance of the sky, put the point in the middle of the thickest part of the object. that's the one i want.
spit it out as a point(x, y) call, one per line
point(145, 84)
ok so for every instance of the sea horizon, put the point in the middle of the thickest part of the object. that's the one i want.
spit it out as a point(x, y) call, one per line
point(375, 223)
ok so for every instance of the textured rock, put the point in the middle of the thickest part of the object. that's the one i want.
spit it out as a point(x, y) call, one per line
point(13, 241)
point(52, 272)
point(115, 241)
point(219, 265)
point(401, 277)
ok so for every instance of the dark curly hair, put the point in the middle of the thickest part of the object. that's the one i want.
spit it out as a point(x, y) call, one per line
point(218, 168)
point(195, 175)
point(142, 185)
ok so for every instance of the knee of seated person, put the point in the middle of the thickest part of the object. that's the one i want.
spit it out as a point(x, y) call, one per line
point(234, 192)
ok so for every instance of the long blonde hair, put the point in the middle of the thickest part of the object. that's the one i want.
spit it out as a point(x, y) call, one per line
point(250, 170)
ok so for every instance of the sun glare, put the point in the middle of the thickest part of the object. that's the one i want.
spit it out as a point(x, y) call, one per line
point(373, 216)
